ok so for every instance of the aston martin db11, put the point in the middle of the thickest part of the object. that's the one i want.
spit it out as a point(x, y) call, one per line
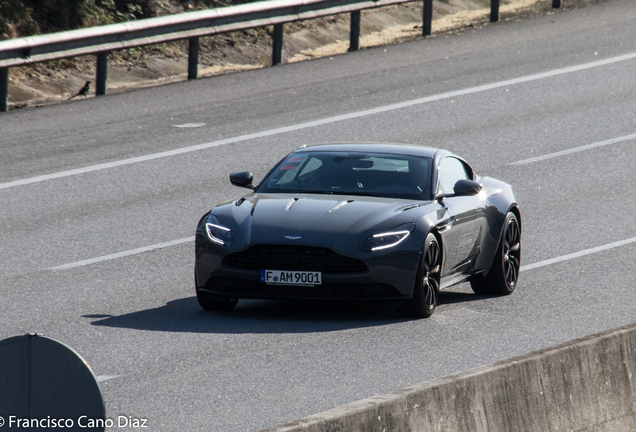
point(360, 221)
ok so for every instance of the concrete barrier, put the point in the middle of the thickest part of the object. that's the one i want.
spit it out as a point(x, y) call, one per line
point(582, 385)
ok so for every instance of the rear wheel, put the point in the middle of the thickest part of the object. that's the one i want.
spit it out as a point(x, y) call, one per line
point(504, 274)
point(426, 292)
point(212, 302)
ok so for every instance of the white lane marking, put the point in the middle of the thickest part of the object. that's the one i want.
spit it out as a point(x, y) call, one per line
point(122, 254)
point(106, 377)
point(575, 150)
point(321, 122)
point(189, 125)
point(578, 254)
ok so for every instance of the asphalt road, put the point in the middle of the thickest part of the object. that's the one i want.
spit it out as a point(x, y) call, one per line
point(70, 191)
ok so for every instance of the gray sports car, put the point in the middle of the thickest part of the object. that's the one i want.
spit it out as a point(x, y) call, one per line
point(360, 221)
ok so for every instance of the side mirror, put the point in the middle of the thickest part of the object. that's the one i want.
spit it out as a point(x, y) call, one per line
point(242, 179)
point(466, 187)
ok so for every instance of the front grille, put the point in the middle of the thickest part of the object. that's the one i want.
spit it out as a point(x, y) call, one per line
point(299, 258)
point(242, 288)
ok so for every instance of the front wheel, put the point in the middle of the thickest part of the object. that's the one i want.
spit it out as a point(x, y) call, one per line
point(504, 273)
point(426, 292)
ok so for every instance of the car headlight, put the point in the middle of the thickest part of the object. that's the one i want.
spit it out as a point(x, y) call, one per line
point(388, 239)
point(218, 233)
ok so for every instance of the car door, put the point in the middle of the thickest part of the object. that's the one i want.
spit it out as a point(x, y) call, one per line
point(465, 218)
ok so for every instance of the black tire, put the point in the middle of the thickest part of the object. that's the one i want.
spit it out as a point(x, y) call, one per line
point(426, 292)
point(211, 302)
point(502, 278)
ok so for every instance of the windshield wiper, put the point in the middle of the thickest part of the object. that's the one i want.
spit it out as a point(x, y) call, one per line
point(358, 193)
point(328, 192)
point(324, 192)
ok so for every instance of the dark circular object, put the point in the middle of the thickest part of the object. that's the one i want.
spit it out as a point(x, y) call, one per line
point(504, 274)
point(45, 381)
point(427, 284)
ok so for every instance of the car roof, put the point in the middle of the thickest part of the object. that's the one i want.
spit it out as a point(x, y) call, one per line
point(388, 148)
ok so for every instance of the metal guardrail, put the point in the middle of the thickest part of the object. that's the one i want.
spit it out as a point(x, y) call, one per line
point(189, 25)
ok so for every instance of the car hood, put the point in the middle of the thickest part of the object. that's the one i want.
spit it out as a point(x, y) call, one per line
point(321, 220)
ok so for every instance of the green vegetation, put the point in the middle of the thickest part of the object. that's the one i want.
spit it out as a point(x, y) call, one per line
point(19, 18)
point(15, 20)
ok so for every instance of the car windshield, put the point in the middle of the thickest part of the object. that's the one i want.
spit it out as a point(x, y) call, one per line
point(351, 173)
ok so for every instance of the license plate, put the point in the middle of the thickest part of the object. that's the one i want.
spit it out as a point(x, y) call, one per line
point(282, 277)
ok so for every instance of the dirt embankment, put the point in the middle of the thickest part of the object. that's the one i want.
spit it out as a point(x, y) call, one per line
point(54, 82)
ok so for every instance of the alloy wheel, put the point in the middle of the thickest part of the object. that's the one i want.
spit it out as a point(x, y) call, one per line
point(431, 274)
point(512, 252)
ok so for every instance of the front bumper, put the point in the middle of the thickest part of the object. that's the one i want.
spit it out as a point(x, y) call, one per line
point(388, 277)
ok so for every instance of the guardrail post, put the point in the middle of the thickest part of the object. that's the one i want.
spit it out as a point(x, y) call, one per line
point(556, 4)
point(193, 58)
point(354, 31)
point(102, 74)
point(4, 89)
point(427, 18)
point(494, 10)
point(277, 48)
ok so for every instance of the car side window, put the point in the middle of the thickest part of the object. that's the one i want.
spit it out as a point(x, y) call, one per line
point(451, 170)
